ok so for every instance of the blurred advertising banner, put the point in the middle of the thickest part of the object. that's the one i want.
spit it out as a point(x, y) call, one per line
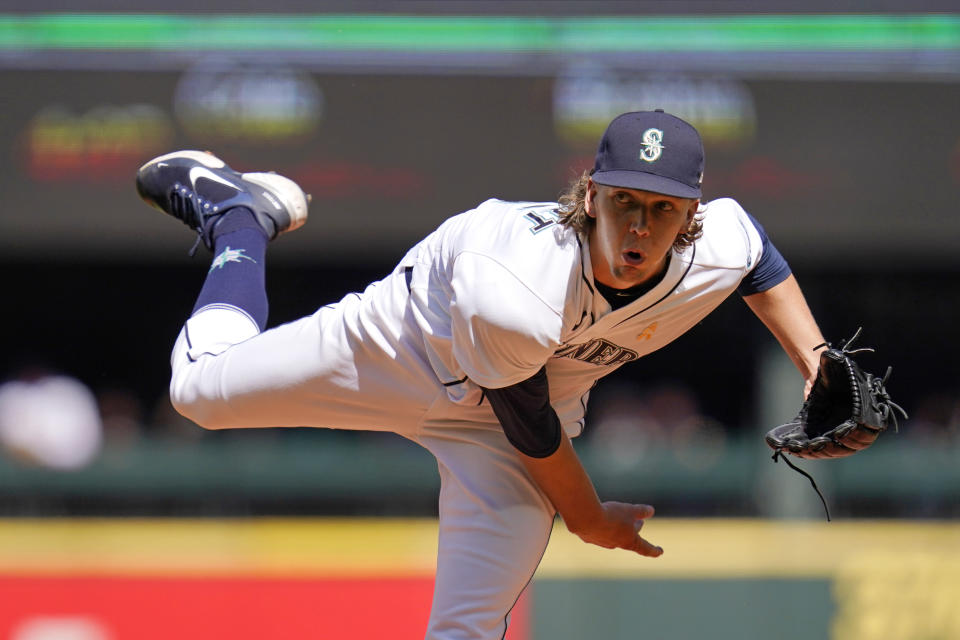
point(159, 608)
point(243, 580)
point(832, 169)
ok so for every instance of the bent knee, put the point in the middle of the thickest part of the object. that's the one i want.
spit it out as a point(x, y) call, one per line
point(195, 397)
point(196, 388)
point(205, 412)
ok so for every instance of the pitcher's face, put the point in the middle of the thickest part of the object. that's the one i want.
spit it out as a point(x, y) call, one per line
point(634, 232)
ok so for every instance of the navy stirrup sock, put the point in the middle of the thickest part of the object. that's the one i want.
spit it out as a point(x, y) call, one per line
point(237, 275)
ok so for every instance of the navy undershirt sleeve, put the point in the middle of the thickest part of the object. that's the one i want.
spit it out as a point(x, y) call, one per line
point(529, 421)
point(771, 269)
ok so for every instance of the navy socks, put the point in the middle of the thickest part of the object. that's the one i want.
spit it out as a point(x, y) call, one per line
point(237, 275)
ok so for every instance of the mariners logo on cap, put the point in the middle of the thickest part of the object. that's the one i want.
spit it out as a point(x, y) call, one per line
point(652, 145)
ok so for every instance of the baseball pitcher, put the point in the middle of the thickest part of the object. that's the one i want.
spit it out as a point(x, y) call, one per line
point(483, 343)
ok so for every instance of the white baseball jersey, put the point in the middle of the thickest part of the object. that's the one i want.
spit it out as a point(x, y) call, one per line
point(486, 300)
point(500, 290)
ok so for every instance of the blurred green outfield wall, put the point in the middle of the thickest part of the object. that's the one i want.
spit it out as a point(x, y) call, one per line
point(738, 609)
point(327, 472)
point(757, 579)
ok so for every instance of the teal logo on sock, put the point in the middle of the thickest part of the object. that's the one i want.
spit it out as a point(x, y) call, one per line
point(229, 255)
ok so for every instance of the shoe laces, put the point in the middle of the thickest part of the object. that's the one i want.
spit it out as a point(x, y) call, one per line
point(192, 210)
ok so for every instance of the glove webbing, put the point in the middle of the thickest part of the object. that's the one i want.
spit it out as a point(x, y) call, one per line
point(777, 456)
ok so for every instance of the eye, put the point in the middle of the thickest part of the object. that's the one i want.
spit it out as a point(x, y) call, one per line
point(665, 206)
point(622, 197)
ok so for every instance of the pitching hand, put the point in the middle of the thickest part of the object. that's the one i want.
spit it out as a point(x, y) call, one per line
point(619, 528)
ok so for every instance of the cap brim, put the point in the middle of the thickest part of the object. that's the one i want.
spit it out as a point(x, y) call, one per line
point(646, 182)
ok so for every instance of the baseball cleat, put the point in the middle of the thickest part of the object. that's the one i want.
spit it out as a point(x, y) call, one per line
point(197, 188)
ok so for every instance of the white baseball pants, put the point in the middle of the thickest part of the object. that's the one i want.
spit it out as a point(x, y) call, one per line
point(352, 365)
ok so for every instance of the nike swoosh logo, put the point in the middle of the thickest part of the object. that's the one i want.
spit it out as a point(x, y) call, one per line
point(203, 172)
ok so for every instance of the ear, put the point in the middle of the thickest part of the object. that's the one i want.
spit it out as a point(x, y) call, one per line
point(692, 211)
point(588, 198)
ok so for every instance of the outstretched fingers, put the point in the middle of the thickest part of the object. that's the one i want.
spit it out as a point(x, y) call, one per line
point(619, 528)
point(642, 545)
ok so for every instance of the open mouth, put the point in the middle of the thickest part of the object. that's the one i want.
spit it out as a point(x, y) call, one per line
point(633, 257)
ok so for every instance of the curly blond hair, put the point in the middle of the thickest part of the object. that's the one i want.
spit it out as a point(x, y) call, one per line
point(573, 213)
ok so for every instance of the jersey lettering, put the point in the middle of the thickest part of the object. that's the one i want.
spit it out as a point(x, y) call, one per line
point(598, 351)
point(542, 219)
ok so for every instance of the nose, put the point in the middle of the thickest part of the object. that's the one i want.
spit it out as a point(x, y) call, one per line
point(639, 224)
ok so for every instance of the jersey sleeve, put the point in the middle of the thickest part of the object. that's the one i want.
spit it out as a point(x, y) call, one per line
point(528, 420)
point(502, 332)
point(771, 269)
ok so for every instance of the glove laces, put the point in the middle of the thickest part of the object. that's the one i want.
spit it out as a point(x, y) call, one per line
point(778, 455)
point(886, 406)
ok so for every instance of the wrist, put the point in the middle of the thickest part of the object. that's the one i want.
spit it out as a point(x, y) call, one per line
point(584, 521)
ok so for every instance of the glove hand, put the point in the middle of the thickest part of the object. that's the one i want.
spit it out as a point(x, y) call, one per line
point(845, 411)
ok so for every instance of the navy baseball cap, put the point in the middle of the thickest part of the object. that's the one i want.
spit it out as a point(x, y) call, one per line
point(652, 151)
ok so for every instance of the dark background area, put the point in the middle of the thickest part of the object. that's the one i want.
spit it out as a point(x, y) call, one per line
point(112, 325)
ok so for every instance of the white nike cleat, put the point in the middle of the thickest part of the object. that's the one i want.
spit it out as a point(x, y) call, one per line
point(198, 188)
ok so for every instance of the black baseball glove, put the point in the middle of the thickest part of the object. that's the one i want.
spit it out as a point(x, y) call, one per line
point(845, 412)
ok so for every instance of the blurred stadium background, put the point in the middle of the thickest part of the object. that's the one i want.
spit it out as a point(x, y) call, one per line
point(837, 128)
